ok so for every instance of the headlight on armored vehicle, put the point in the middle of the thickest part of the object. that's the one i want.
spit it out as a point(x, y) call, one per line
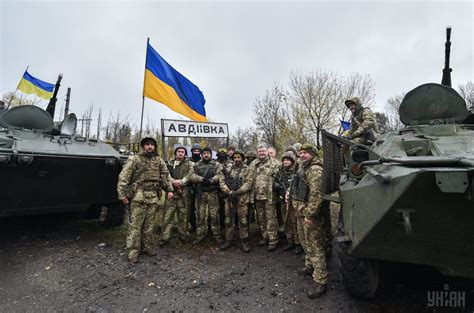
point(25, 159)
point(122, 149)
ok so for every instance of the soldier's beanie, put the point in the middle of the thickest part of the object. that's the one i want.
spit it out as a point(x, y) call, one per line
point(291, 149)
point(196, 146)
point(310, 149)
point(238, 152)
point(206, 149)
point(354, 100)
point(297, 146)
point(288, 155)
point(231, 148)
point(251, 153)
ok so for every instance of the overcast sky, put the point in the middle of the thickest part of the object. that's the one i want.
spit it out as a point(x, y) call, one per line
point(234, 51)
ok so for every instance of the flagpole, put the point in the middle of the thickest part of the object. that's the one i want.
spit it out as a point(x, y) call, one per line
point(14, 93)
point(143, 91)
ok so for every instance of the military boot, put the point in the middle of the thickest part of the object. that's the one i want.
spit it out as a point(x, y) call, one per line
point(198, 241)
point(272, 246)
point(244, 245)
point(298, 249)
point(262, 242)
point(162, 243)
point(306, 271)
point(226, 245)
point(316, 290)
point(132, 259)
point(151, 252)
point(288, 246)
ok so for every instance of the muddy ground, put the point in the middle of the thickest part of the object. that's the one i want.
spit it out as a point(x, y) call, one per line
point(63, 263)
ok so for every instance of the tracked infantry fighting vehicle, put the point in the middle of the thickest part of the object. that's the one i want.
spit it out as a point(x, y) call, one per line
point(47, 169)
point(410, 196)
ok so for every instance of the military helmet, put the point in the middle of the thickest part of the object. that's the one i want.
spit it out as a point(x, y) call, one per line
point(297, 146)
point(354, 100)
point(222, 150)
point(311, 149)
point(231, 147)
point(196, 146)
point(289, 155)
point(180, 146)
point(147, 138)
point(240, 152)
point(251, 153)
point(293, 150)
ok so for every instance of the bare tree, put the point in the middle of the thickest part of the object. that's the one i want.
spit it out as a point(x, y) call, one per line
point(268, 115)
point(245, 139)
point(467, 92)
point(17, 98)
point(87, 119)
point(316, 96)
point(391, 108)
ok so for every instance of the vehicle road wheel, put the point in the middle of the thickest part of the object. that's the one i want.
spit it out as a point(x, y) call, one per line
point(360, 276)
point(113, 214)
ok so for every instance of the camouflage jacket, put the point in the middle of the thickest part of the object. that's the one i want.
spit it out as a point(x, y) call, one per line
point(263, 173)
point(312, 175)
point(241, 176)
point(180, 171)
point(362, 121)
point(142, 178)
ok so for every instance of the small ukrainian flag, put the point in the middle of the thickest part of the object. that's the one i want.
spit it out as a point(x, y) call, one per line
point(33, 85)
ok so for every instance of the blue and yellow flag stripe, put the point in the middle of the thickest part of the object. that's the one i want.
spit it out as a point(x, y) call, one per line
point(33, 85)
point(166, 85)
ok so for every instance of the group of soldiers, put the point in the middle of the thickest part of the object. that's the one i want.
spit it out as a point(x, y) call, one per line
point(285, 196)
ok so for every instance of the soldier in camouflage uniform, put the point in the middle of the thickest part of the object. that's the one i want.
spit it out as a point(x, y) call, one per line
point(281, 186)
point(180, 169)
point(236, 184)
point(206, 175)
point(139, 185)
point(364, 128)
point(307, 199)
point(263, 171)
point(226, 163)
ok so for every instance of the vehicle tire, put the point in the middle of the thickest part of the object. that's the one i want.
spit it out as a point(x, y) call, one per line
point(112, 214)
point(360, 276)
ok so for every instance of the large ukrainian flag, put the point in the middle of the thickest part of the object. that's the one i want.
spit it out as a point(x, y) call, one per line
point(166, 85)
point(33, 85)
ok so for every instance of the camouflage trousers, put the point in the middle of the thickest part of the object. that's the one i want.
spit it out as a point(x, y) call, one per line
point(140, 233)
point(207, 209)
point(313, 243)
point(267, 220)
point(291, 229)
point(178, 205)
point(242, 215)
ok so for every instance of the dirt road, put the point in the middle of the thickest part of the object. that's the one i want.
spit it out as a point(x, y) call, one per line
point(61, 263)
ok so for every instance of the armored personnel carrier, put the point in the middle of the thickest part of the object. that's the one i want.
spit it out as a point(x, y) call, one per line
point(47, 169)
point(410, 196)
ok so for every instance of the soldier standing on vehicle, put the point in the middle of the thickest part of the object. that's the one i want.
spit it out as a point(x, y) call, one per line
point(139, 186)
point(180, 169)
point(236, 184)
point(307, 199)
point(263, 171)
point(364, 128)
point(205, 175)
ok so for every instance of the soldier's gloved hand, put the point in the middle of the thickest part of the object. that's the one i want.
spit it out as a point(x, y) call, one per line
point(234, 195)
point(206, 182)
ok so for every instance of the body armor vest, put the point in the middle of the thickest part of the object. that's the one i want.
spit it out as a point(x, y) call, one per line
point(207, 171)
point(300, 187)
point(233, 179)
point(177, 172)
point(149, 174)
